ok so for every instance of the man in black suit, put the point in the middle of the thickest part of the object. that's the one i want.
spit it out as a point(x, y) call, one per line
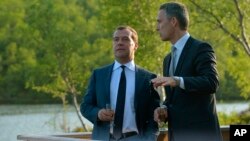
point(140, 97)
point(190, 80)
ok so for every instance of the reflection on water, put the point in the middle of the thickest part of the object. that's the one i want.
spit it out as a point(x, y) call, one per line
point(34, 119)
point(47, 119)
point(232, 107)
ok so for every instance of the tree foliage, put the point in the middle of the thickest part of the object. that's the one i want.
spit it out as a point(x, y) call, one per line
point(226, 27)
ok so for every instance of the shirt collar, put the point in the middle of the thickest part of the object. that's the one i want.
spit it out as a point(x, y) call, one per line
point(130, 65)
point(182, 41)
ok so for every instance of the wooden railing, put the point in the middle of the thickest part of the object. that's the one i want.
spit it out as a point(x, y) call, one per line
point(86, 136)
point(79, 136)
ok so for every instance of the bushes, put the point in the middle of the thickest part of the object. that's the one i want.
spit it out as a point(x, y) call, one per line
point(234, 118)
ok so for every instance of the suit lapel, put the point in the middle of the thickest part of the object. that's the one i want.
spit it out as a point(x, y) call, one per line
point(183, 56)
point(139, 77)
point(107, 79)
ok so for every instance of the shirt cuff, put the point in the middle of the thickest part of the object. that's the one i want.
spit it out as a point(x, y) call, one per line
point(182, 83)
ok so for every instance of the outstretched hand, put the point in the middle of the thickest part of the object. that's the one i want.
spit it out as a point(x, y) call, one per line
point(163, 81)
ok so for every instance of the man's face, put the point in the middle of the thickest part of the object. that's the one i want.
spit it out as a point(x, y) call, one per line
point(164, 26)
point(123, 45)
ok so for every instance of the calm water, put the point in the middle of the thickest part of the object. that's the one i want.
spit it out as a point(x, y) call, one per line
point(47, 119)
point(34, 119)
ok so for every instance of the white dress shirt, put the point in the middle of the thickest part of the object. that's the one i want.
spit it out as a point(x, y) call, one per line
point(129, 123)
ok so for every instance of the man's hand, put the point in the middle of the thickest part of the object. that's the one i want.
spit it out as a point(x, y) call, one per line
point(160, 114)
point(106, 115)
point(164, 81)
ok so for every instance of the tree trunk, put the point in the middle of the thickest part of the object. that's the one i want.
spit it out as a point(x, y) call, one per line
point(73, 92)
point(64, 124)
point(78, 112)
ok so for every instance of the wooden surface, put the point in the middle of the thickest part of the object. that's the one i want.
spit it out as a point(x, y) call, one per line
point(46, 138)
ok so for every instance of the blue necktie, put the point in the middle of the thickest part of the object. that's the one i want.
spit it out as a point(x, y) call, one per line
point(120, 102)
point(172, 63)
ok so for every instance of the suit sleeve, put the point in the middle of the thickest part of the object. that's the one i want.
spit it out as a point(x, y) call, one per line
point(88, 106)
point(204, 78)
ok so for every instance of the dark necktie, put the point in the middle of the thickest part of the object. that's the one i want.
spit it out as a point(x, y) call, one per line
point(172, 63)
point(120, 102)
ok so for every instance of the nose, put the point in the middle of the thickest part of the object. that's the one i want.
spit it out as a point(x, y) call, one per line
point(119, 42)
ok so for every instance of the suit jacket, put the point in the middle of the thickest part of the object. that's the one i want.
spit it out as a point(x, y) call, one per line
point(192, 112)
point(98, 94)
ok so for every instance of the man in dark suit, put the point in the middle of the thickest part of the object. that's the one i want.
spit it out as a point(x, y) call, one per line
point(190, 80)
point(137, 124)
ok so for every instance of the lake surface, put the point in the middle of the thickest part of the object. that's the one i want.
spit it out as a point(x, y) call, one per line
point(47, 119)
point(35, 119)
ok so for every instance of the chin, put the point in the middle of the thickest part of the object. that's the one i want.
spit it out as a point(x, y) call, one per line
point(164, 39)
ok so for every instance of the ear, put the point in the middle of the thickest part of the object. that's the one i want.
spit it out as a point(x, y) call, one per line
point(136, 46)
point(174, 21)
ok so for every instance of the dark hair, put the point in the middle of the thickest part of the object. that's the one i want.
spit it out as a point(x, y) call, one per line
point(178, 10)
point(134, 33)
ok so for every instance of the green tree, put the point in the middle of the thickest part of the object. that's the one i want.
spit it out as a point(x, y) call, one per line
point(61, 55)
point(15, 61)
point(226, 26)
